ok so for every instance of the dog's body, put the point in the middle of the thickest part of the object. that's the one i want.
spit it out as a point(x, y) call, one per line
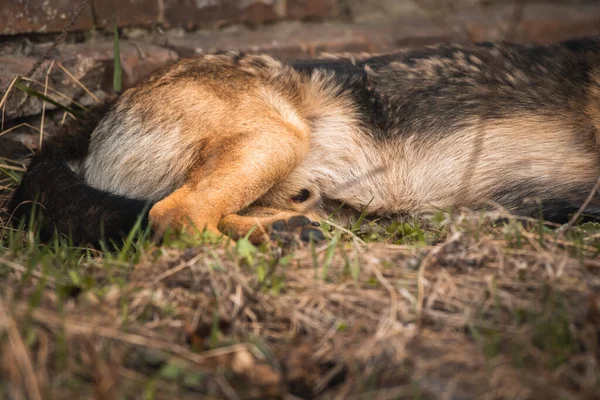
point(224, 141)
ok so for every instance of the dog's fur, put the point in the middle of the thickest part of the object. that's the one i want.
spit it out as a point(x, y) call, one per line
point(226, 140)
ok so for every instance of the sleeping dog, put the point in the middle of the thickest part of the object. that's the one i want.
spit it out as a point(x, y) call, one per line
point(229, 141)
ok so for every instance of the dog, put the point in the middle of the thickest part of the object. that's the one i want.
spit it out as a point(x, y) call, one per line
point(231, 141)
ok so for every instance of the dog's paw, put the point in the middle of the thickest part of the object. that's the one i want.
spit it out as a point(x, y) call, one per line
point(296, 229)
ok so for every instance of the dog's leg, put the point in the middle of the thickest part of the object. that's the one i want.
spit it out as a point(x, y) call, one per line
point(271, 223)
point(236, 173)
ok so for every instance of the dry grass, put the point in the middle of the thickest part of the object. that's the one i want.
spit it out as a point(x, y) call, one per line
point(505, 311)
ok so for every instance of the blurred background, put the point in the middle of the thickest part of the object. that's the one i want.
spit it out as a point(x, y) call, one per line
point(154, 32)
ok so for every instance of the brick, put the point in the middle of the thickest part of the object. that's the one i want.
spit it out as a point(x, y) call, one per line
point(191, 14)
point(131, 13)
point(296, 9)
point(539, 23)
point(285, 40)
point(41, 16)
point(560, 22)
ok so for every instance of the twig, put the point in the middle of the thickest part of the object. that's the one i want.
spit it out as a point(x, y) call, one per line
point(587, 201)
point(58, 93)
point(22, 269)
point(421, 285)
point(348, 231)
point(44, 106)
point(12, 167)
point(421, 275)
point(79, 327)
point(177, 269)
point(391, 290)
point(23, 124)
point(78, 82)
point(20, 354)
point(3, 101)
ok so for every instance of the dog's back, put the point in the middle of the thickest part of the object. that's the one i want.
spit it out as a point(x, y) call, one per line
point(467, 124)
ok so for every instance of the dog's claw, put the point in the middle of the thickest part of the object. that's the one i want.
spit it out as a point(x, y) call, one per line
point(310, 234)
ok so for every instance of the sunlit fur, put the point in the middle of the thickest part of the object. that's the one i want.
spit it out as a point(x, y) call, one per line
point(412, 131)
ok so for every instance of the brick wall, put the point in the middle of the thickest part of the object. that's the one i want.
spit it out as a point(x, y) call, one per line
point(44, 16)
point(373, 10)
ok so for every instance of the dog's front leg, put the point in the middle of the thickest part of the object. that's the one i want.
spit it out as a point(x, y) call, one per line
point(237, 173)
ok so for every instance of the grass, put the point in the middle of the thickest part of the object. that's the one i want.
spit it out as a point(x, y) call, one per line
point(453, 306)
point(509, 310)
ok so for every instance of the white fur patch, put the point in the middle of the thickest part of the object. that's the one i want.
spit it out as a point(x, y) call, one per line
point(338, 165)
point(421, 173)
point(136, 158)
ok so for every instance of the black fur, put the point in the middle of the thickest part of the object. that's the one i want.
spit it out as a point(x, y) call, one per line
point(62, 201)
point(529, 198)
point(438, 90)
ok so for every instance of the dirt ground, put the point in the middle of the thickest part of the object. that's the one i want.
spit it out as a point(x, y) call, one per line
point(458, 309)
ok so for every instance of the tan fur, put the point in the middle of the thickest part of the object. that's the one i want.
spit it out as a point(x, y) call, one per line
point(473, 163)
point(210, 145)
point(245, 167)
point(398, 176)
point(592, 108)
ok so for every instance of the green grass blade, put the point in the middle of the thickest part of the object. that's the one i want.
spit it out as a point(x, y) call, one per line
point(32, 92)
point(133, 233)
point(356, 226)
point(329, 257)
point(117, 73)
